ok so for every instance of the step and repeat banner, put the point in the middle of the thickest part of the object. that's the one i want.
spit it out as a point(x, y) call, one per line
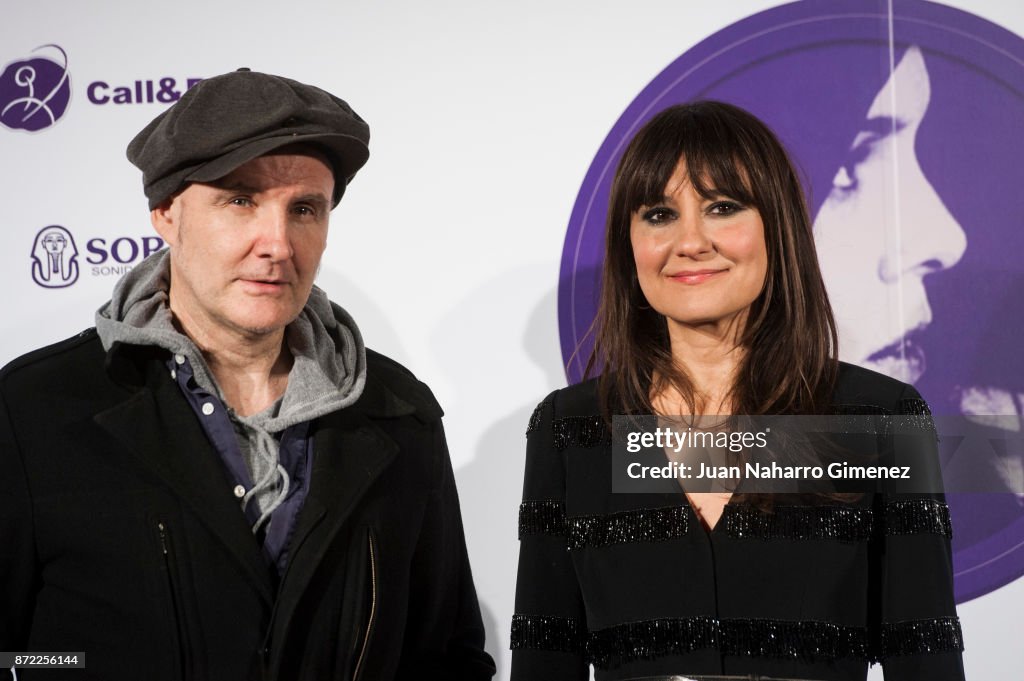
point(469, 248)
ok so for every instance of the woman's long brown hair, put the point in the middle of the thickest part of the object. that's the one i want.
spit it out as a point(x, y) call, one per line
point(790, 341)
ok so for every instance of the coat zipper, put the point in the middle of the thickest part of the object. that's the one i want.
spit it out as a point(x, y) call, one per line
point(179, 631)
point(373, 606)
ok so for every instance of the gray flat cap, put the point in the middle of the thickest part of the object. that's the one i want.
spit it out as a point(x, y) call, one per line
point(228, 120)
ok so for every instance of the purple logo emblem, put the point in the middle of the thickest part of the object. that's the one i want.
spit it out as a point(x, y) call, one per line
point(34, 93)
point(54, 258)
point(903, 118)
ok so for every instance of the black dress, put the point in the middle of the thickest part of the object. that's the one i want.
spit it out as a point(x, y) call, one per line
point(635, 586)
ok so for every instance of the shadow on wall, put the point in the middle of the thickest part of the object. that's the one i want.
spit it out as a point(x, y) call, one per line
point(490, 486)
point(378, 333)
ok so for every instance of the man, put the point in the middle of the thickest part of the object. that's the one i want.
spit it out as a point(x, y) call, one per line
point(219, 481)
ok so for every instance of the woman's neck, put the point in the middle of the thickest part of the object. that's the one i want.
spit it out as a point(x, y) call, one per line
point(710, 358)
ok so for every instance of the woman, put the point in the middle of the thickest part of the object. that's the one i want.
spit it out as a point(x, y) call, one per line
point(713, 304)
point(879, 296)
point(882, 232)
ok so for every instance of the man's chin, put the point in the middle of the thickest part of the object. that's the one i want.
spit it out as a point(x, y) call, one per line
point(262, 326)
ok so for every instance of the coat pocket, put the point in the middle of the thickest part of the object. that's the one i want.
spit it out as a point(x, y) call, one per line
point(174, 605)
point(372, 616)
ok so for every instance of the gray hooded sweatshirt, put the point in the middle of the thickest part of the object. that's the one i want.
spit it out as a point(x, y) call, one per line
point(328, 373)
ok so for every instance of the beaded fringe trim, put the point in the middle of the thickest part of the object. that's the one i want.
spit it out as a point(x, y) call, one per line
point(841, 523)
point(541, 517)
point(914, 414)
point(580, 431)
point(626, 527)
point(590, 431)
point(534, 422)
point(908, 407)
point(939, 635)
point(911, 415)
point(750, 637)
point(559, 634)
point(918, 516)
point(914, 407)
point(806, 640)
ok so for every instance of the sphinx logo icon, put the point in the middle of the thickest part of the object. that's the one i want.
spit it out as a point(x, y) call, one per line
point(34, 92)
point(54, 258)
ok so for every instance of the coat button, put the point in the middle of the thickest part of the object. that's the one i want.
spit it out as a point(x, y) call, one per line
point(180, 359)
point(208, 408)
point(239, 491)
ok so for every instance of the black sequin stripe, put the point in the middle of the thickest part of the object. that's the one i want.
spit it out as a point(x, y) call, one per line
point(649, 639)
point(808, 640)
point(914, 637)
point(860, 410)
point(911, 415)
point(918, 516)
point(842, 523)
point(644, 525)
point(580, 431)
point(541, 517)
point(914, 407)
point(534, 422)
point(540, 632)
point(915, 416)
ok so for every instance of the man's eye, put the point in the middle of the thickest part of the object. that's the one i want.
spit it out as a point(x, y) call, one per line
point(305, 210)
point(659, 215)
point(241, 201)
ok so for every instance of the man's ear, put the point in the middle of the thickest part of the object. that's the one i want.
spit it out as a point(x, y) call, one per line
point(165, 219)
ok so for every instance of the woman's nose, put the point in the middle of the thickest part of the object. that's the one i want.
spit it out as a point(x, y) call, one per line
point(931, 239)
point(690, 236)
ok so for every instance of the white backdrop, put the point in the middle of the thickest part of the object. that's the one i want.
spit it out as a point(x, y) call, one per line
point(446, 248)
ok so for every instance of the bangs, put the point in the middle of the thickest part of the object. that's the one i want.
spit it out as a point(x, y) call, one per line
point(719, 161)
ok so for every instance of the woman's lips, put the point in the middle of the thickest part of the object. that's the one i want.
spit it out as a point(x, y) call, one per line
point(695, 277)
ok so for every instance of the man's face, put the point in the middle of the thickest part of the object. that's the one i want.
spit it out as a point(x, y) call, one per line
point(245, 248)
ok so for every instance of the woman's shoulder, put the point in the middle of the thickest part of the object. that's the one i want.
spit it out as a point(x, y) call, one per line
point(579, 399)
point(570, 417)
point(860, 387)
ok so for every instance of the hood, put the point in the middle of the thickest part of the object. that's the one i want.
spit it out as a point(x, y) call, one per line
point(329, 370)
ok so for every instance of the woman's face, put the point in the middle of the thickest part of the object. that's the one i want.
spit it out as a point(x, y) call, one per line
point(883, 228)
point(700, 262)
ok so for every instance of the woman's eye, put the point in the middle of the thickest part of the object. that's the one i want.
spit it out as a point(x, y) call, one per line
point(659, 216)
point(724, 208)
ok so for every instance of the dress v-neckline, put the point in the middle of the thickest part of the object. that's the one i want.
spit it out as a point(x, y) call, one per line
point(707, 526)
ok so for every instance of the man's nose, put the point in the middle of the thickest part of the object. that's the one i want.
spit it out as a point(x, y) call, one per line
point(274, 237)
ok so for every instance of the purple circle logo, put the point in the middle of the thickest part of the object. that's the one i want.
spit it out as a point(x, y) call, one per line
point(903, 118)
point(54, 258)
point(34, 93)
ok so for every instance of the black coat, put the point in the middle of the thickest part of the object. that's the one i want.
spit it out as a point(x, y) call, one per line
point(633, 583)
point(120, 537)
